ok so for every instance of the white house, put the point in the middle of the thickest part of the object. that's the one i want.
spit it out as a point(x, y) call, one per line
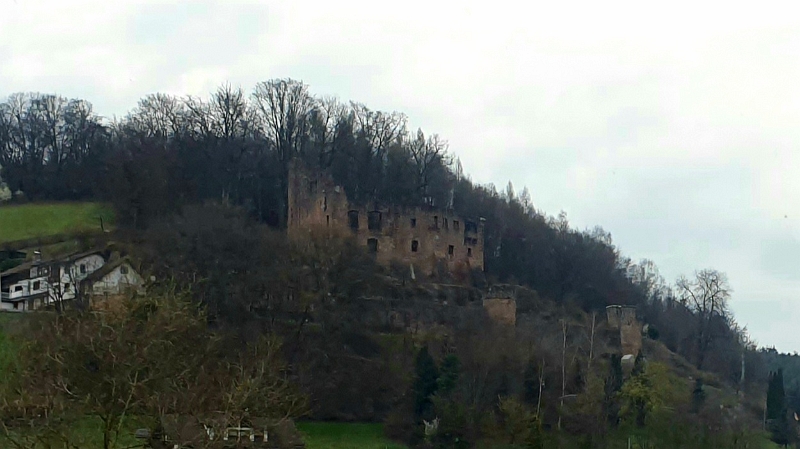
point(72, 270)
point(25, 287)
point(114, 278)
point(39, 283)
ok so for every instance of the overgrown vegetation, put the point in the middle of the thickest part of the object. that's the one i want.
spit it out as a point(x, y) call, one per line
point(198, 187)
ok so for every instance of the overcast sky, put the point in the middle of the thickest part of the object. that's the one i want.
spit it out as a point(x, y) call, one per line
point(674, 127)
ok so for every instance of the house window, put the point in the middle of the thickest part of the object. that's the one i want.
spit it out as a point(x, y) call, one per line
point(328, 220)
point(469, 252)
point(372, 245)
point(414, 246)
point(455, 225)
point(413, 222)
point(352, 219)
point(445, 223)
point(83, 268)
point(374, 220)
point(66, 286)
point(450, 250)
point(18, 288)
point(37, 285)
point(16, 306)
point(123, 269)
point(325, 203)
point(436, 222)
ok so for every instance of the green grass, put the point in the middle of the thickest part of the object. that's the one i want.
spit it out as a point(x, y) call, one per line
point(326, 435)
point(38, 220)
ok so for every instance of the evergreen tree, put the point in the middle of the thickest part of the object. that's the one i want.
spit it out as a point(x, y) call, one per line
point(613, 385)
point(425, 384)
point(448, 374)
point(777, 412)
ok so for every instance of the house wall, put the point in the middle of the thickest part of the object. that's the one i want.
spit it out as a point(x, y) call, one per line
point(315, 201)
point(70, 274)
point(26, 287)
point(116, 282)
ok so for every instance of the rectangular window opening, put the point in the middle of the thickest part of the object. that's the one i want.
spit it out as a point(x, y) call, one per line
point(414, 246)
point(445, 223)
point(374, 220)
point(455, 225)
point(469, 252)
point(450, 250)
point(352, 219)
point(372, 245)
point(328, 220)
point(83, 269)
point(435, 222)
point(413, 222)
point(37, 285)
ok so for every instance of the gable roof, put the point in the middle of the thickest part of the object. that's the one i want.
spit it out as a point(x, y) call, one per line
point(75, 256)
point(101, 272)
point(21, 268)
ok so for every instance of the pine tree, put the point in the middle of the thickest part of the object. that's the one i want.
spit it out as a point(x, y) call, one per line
point(777, 412)
point(612, 386)
point(425, 384)
point(448, 374)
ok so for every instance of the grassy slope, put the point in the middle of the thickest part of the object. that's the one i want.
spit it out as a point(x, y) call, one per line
point(37, 220)
point(327, 435)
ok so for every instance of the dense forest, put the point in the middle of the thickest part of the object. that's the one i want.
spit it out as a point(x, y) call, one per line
point(200, 185)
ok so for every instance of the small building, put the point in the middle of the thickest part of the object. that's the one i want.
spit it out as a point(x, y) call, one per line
point(114, 278)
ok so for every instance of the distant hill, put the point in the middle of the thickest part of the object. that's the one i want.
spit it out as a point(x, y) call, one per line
point(20, 222)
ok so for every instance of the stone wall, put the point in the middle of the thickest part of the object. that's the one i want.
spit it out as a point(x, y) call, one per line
point(425, 239)
point(623, 320)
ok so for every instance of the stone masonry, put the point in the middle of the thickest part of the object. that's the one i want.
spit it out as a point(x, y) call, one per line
point(422, 238)
point(623, 319)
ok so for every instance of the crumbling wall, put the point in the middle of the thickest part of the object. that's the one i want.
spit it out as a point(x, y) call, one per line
point(423, 238)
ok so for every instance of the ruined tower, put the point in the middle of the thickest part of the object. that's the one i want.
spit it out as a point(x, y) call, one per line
point(623, 320)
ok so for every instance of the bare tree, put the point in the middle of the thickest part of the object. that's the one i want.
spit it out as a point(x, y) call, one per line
point(282, 108)
point(706, 295)
point(151, 357)
point(159, 115)
point(380, 129)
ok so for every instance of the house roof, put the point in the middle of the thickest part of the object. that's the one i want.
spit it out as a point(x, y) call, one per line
point(68, 258)
point(79, 255)
point(18, 269)
point(106, 269)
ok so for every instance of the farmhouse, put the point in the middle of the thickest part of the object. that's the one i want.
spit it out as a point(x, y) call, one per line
point(425, 239)
point(39, 283)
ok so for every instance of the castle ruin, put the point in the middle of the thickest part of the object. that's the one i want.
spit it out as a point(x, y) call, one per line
point(424, 239)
